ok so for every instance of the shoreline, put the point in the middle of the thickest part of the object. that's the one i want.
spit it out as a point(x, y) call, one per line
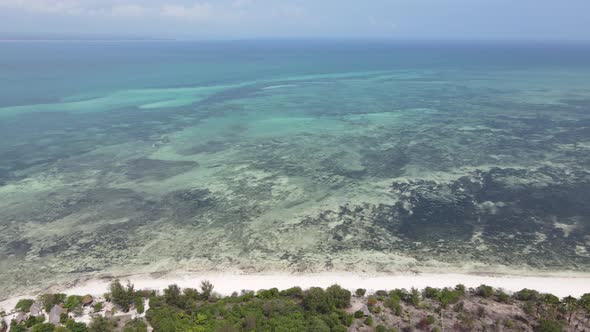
point(559, 284)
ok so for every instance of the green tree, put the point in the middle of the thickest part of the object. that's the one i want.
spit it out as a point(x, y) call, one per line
point(24, 305)
point(76, 326)
point(43, 327)
point(120, 295)
point(414, 296)
point(570, 304)
point(172, 296)
point(526, 295)
point(73, 301)
point(136, 325)
point(317, 325)
point(485, 291)
point(138, 303)
point(101, 324)
point(206, 289)
point(360, 292)
point(549, 325)
point(50, 300)
point(339, 297)
point(293, 292)
point(316, 300)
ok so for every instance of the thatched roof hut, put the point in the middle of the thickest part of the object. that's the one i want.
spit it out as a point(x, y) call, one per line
point(36, 310)
point(87, 300)
point(20, 317)
point(366, 311)
point(55, 314)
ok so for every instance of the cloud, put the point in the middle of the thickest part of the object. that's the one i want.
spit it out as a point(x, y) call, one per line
point(129, 11)
point(68, 7)
point(197, 11)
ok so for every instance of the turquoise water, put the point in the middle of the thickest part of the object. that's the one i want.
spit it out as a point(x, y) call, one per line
point(129, 157)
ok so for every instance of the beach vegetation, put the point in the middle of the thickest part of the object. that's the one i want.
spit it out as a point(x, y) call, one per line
point(319, 309)
point(50, 300)
point(43, 327)
point(549, 325)
point(74, 326)
point(97, 306)
point(360, 292)
point(103, 324)
point(206, 289)
point(135, 325)
point(121, 295)
point(32, 321)
point(485, 291)
point(24, 305)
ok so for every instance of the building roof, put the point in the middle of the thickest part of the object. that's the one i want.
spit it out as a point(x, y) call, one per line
point(55, 313)
point(366, 311)
point(35, 310)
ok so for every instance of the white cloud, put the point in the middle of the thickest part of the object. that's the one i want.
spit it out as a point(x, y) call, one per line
point(197, 11)
point(130, 11)
point(69, 7)
point(222, 12)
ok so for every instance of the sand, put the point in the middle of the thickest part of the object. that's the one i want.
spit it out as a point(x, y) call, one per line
point(225, 284)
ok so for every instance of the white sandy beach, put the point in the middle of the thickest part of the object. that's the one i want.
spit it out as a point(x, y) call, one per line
point(225, 284)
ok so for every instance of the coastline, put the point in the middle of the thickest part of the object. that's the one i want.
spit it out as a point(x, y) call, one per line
point(559, 284)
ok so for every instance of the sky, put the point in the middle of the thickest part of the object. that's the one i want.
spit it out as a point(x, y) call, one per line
point(246, 19)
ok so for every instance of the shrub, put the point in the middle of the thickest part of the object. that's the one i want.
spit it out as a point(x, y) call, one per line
point(358, 314)
point(369, 321)
point(120, 295)
point(380, 328)
point(172, 296)
point(268, 293)
point(136, 325)
point(372, 301)
point(585, 302)
point(550, 299)
point(138, 304)
point(460, 288)
point(431, 293)
point(293, 292)
point(316, 300)
point(73, 301)
point(76, 327)
point(206, 289)
point(414, 296)
point(49, 300)
point(17, 328)
point(392, 301)
point(24, 305)
point(549, 325)
point(485, 291)
point(44, 327)
point(527, 295)
point(63, 317)
point(97, 306)
point(502, 296)
point(360, 292)
point(339, 297)
point(448, 296)
point(423, 324)
point(318, 325)
point(101, 324)
point(32, 321)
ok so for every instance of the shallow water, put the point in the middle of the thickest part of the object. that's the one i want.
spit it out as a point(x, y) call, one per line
point(122, 158)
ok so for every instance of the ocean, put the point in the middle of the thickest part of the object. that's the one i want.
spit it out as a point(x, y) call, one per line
point(125, 157)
